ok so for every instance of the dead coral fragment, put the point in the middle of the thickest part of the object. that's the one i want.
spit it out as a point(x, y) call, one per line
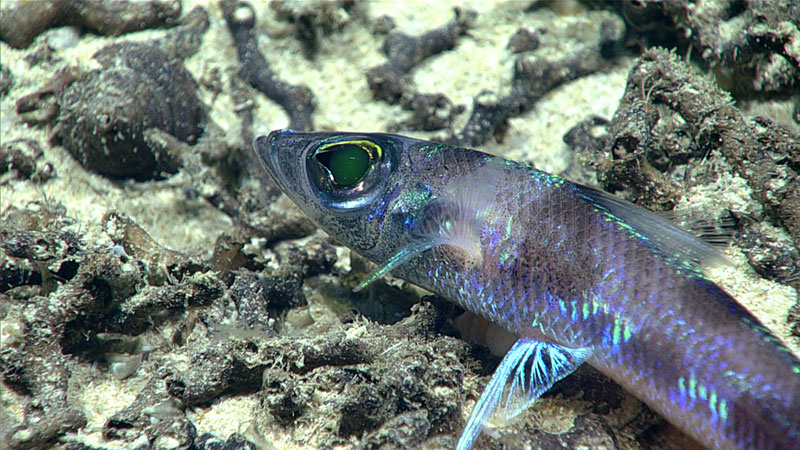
point(752, 47)
point(39, 365)
point(6, 80)
point(760, 151)
point(35, 251)
point(136, 243)
point(22, 21)
point(390, 82)
point(42, 105)
point(20, 159)
point(533, 78)
point(772, 259)
point(524, 40)
point(105, 115)
point(313, 20)
point(298, 101)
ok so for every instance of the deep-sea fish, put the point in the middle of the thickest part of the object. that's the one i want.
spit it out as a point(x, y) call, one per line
point(575, 273)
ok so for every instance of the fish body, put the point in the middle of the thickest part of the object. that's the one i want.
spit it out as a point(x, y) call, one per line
point(575, 273)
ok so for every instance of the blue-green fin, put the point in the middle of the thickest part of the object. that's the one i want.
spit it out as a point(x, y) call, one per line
point(528, 370)
point(403, 256)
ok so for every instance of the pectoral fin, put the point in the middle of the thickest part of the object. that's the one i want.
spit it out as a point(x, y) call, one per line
point(528, 370)
point(398, 259)
point(452, 220)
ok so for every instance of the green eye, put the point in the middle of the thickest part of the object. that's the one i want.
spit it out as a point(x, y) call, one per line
point(348, 162)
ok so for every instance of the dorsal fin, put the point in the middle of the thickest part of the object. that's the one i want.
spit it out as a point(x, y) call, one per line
point(718, 232)
point(672, 242)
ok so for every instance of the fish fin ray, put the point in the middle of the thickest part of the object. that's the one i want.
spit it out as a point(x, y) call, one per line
point(716, 231)
point(528, 370)
point(401, 257)
point(668, 239)
point(455, 219)
point(543, 365)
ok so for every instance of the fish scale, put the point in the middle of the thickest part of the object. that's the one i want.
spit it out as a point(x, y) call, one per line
point(575, 273)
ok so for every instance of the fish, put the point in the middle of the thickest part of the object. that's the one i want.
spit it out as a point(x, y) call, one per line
point(576, 274)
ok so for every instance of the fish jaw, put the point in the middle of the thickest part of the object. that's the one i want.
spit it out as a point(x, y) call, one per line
point(282, 153)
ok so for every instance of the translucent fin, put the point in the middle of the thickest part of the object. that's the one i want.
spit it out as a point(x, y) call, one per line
point(528, 370)
point(454, 218)
point(398, 259)
point(457, 216)
point(716, 231)
point(667, 238)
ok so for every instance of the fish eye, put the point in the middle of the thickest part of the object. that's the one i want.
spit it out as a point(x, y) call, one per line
point(344, 164)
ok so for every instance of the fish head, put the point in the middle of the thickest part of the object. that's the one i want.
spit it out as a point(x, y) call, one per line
point(344, 182)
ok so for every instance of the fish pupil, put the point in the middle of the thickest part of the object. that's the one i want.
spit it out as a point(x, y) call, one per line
point(347, 163)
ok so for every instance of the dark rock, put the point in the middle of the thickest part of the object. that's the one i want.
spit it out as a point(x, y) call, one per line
point(105, 113)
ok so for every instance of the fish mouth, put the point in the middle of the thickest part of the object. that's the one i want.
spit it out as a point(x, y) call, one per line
point(264, 153)
point(267, 148)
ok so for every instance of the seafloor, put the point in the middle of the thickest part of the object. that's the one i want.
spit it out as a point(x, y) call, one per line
point(163, 294)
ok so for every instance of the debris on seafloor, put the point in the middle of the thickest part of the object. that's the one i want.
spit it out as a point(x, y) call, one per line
point(298, 101)
point(22, 21)
point(390, 81)
point(110, 339)
point(104, 115)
